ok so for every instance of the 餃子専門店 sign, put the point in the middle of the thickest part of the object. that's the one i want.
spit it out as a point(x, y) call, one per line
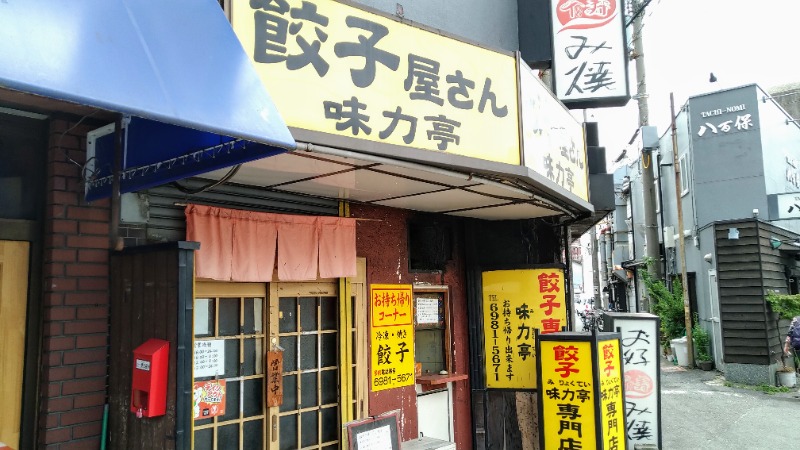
point(581, 393)
point(337, 69)
point(567, 395)
point(392, 336)
point(515, 303)
point(612, 401)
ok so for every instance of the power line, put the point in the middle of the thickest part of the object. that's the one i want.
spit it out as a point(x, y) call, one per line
point(637, 13)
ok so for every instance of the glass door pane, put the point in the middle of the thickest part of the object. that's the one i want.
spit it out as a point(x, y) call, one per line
point(230, 341)
point(308, 333)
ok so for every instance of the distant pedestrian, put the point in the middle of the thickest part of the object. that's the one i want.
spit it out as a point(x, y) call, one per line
point(793, 338)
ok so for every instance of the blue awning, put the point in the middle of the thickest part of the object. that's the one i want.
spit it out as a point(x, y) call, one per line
point(176, 63)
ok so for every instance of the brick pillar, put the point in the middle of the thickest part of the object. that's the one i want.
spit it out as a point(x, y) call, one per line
point(74, 369)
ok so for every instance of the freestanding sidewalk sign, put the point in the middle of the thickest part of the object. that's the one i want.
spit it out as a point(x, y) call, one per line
point(581, 393)
point(641, 366)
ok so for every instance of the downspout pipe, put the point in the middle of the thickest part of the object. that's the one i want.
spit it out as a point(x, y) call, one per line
point(641, 304)
point(115, 240)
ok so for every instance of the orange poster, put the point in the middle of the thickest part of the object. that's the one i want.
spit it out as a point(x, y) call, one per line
point(209, 399)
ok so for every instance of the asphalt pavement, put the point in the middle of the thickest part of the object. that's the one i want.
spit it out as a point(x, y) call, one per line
point(700, 412)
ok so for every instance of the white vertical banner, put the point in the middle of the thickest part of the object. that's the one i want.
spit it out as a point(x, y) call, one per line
point(640, 365)
point(590, 54)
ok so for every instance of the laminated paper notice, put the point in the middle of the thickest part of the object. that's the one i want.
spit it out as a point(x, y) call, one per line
point(209, 358)
point(427, 311)
point(378, 439)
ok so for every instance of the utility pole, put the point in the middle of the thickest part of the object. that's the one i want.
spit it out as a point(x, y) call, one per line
point(592, 141)
point(687, 315)
point(604, 258)
point(647, 160)
point(608, 245)
point(597, 295)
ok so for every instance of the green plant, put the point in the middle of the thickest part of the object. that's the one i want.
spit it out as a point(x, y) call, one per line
point(666, 305)
point(701, 341)
point(786, 306)
point(765, 388)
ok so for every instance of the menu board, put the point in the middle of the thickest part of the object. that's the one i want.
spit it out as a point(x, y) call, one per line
point(374, 433)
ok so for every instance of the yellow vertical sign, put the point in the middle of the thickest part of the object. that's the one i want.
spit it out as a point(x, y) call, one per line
point(392, 336)
point(612, 402)
point(567, 395)
point(515, 302)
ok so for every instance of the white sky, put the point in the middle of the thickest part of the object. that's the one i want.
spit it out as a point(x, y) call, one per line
point(740, 41)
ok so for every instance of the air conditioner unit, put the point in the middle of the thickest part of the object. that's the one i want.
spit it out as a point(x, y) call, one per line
point(669, 237)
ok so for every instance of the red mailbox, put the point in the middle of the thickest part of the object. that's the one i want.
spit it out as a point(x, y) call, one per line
point(149, 384)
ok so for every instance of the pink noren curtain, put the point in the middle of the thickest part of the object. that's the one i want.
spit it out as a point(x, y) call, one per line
point(253, 249)
point(244, 245)
point(337, 247)
point(210, 227)
point(298, 247)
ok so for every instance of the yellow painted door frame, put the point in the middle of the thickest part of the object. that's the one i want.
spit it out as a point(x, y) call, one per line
point(14, 262)
point(353, 334)
point(214, 290)
point(320, 288)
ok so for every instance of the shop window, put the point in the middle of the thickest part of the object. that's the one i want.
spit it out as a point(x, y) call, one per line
point(306, 320)
point(432, 330)
point(428, 246)
point(22, 152)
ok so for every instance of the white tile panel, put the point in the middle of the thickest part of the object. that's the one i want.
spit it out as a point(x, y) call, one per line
point(334, 158)
point(434, 176)
point(392, 188)
point(362, 185)
point(442, 201)
point(279, 169)
point(508, 212)
point(502, 191)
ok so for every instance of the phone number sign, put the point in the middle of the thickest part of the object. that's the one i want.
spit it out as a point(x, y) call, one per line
point(392, 336)
point(515, 304)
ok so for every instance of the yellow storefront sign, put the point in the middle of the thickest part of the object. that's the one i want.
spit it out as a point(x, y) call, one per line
point(337, 69)
point(553, 142)
point(612, 402)
point(567, 395)
point(515, 303)
point(392, 336)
